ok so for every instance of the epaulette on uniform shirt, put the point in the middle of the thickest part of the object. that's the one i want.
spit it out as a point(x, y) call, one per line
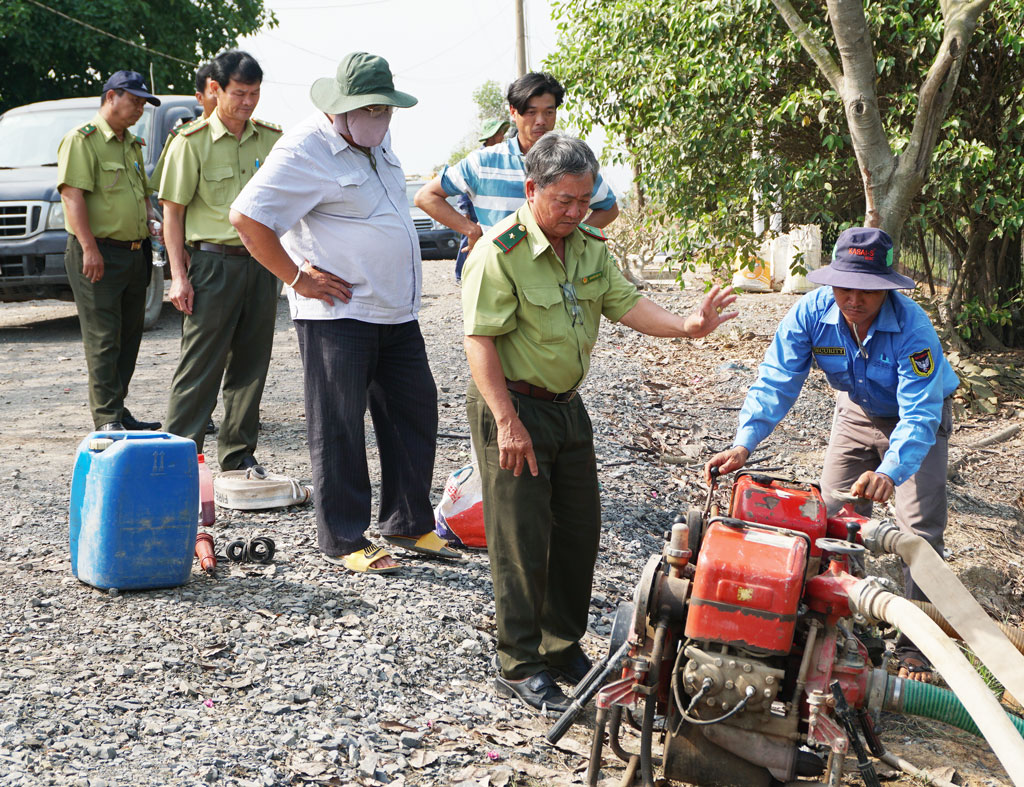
point(593, 232)
point(188, 131)
point(265, 124)
point(511, 238)
point(87, 129)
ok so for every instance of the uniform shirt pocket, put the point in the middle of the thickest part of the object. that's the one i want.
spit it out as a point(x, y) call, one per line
point(112, 175)
point(836, 370)
point(591, 299)
point(215, 185)
point(356, 196)
point(542, 316)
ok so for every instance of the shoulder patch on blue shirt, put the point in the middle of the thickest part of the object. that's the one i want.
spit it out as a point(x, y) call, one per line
point(922, 363)
point(509, 239)
point(830, 350)
point(593, 232)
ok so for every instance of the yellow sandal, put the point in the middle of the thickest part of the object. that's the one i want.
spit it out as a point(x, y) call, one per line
point(362, 560)
point(429, 543)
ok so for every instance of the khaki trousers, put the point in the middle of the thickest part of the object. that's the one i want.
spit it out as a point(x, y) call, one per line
point(857, 444)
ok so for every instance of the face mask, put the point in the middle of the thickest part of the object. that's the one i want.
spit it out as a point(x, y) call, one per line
point(363, 128)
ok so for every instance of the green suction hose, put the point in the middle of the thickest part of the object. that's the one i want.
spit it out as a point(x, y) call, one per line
point(923, 699)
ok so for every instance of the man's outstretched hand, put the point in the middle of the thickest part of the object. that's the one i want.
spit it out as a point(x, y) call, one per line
point(711, 313)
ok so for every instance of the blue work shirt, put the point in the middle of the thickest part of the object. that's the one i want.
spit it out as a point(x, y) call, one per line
point(905, 375)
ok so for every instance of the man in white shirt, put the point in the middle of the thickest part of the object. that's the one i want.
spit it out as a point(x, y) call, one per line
point(327, 214)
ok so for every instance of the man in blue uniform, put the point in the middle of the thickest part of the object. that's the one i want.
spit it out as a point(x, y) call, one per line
point(892, 420)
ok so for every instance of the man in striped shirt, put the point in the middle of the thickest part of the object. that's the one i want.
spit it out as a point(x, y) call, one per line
point(493, 178)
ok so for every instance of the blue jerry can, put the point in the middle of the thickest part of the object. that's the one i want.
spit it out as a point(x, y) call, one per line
point(134, 502)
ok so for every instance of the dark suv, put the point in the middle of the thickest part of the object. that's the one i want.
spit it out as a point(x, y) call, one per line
point(32, 234)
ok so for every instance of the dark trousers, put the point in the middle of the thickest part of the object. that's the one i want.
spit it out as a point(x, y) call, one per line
point(857, 444)
point(542, 532)
point(111, 313)
point(229, 336)
point(347, 366)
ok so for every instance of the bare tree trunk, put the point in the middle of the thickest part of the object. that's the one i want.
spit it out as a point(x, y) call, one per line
point(890, 183)
point(927, 261)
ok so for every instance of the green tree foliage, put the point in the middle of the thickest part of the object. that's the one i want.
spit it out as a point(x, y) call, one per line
point(713, 102)
point(490, 101)
point(45, 56)
point(490, 105)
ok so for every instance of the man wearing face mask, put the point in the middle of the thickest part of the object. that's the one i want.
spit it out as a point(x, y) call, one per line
point(328, 215)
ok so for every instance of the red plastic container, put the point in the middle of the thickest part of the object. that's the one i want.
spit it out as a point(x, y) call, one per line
point(207, 512)
point(747, 587)
point(782, 503)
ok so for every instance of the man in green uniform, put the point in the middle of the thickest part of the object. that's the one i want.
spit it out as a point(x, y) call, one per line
point(102, 181)
point(229, 300)
point(206, 97)
point(533, 293)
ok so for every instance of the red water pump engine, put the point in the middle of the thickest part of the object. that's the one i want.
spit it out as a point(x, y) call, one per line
point(741, 646)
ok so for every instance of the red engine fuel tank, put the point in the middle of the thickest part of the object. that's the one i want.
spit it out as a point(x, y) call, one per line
point(780, 502)
point(746, 587)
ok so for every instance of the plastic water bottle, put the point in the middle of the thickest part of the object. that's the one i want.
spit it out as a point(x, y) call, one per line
point(206, 507)
point(159, 252)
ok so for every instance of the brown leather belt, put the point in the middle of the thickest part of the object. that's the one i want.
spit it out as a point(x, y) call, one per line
point(133, 245)
point(536, 392)
point(220, 248)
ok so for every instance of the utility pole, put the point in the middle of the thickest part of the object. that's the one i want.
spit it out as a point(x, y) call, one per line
point(520, 40)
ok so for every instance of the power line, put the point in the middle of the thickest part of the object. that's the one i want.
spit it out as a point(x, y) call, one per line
point(329, 6)
point(456, 45)
point(302, 48)
point(111, 35)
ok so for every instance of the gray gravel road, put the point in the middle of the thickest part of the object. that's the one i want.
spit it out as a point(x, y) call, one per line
point(300, 672)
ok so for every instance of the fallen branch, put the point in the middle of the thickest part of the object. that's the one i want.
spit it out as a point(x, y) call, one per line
point(999, 437)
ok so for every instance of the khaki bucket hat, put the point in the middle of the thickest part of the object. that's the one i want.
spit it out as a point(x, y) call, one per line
point(362, 80)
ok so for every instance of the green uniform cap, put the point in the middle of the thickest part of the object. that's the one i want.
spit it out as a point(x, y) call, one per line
point(544, 318)
point(491, 127)
point(112, 173)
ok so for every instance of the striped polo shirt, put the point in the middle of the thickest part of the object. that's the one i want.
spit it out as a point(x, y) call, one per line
point(493, 178)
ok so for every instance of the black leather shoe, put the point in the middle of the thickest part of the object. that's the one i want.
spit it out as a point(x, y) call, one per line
point(132, 424)
point(253, 468)
point(211, 427)
point(538, 691)
point(573, 671)
point(112, 426)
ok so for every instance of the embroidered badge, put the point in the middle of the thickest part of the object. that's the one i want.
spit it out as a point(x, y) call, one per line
point(922, 363)
point(593, 232)
point(509, 239)
point(194, 128)
point(592, 277)
point(830, 350)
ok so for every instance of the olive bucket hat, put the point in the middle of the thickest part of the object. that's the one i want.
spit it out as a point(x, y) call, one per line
point(362, 80)
point(862, 260)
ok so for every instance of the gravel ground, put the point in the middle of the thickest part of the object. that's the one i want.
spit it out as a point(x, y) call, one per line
point(300, 672)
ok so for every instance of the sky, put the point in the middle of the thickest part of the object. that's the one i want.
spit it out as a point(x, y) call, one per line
point(439, 51)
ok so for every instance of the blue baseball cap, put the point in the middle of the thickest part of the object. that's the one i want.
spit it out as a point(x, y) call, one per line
point(862, 260)
point(131, 82)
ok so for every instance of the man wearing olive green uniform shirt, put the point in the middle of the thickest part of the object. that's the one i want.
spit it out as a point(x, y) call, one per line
point(101, 177)
point(534, 289)
point(229, 300)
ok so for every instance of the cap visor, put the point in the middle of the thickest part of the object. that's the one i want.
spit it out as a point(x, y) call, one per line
point(860, 281)
point(327, 97)
point(143, 94)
